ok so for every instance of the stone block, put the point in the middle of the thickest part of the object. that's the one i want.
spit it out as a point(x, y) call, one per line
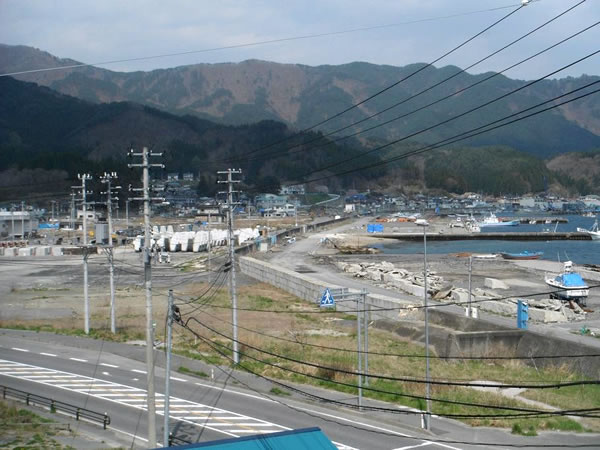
point(494, 283)
point(546, 316)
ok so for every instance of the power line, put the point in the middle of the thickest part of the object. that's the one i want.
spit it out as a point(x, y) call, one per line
point(353, 424)
point(403, 379)
point(401, 308)
point(465, 113)
point(526, 412)
point(387, 88)
point(321, 137)
point(250, 44)
point(398, 355)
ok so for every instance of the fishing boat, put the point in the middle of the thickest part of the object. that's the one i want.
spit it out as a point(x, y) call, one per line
point(593, 232)
point(522, 255)
point(493, 221)
point(570, 285)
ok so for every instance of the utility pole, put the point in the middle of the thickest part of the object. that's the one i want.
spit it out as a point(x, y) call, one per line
point(232, 287)
point(360, 350)
point(208, 248)
point(53, 202)
point(73, 212)
point(23, 220)
point(427, 416)
point(170, 313)
point(469, 312)
point(107, 179)
point(127, 213)
point(86, 299)
point(145, 165)
point(366, 311)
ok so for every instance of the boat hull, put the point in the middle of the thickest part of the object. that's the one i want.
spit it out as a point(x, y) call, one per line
point(568, 293)
point(522, 256)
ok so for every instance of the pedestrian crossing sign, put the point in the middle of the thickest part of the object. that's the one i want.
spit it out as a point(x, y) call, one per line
point(327, 299)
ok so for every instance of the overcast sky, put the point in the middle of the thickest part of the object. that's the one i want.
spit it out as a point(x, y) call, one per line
point(104, 30)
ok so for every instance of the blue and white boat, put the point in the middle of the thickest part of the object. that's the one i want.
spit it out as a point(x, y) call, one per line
point(569, 285)
point(493, 221)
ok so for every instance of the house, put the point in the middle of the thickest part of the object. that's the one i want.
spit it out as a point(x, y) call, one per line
point(173, 176)
point(16, 223)
point(270, 201)
point(188, 176)
point(292, 189)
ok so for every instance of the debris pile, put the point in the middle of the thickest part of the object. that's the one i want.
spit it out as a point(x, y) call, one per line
point(392, 277)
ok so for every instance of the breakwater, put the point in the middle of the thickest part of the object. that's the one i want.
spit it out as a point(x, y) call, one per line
point(496, 236)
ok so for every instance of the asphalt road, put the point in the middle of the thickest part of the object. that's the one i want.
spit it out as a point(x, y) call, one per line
point(203, 410)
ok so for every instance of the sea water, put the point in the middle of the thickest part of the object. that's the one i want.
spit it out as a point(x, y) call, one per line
point(580, 252)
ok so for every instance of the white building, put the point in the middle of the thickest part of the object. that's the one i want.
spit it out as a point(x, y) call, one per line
point(292, 189)
point(13, 223)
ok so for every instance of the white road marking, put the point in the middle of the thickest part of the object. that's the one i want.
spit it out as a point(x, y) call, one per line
point(106, 373)
point(136, 379)
point(77, 359)
point(138, 371)
point(203, 416)
point(20, 349)
point(109, 365)
point(178, 379)
point(230, 391)
point(423, 444)
point(47, 354)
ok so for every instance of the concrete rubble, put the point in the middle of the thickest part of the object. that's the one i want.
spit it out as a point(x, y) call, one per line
point(392, 277)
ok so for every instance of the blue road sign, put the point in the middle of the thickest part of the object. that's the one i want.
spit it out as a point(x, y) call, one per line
point(327, 299)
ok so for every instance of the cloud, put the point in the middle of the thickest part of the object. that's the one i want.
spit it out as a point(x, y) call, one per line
point(92, 31)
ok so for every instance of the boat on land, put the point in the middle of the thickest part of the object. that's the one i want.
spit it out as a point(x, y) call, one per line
point(593, 232)
point(493, 221)
point(569, 285)
point(525, 255)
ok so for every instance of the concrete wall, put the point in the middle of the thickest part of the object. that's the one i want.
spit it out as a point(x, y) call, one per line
point(451, 335)
point(311, 289)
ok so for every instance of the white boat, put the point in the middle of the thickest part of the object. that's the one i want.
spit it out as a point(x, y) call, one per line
point(570, 285)
point(593, 232)
point(493, 221)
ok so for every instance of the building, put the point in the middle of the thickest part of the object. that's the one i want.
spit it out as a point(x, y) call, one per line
point(188, 176)
point(17, 224)
point(293, 189)
point(270, 201)
point(173, 176)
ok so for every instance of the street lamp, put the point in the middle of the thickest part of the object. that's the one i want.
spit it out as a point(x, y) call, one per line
point(423, 223)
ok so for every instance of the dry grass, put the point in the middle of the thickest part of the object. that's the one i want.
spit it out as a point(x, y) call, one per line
point(286, 334)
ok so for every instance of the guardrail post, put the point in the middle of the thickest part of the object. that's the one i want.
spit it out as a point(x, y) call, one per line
point(106, 420)
point(27, 399)
point(77, 414)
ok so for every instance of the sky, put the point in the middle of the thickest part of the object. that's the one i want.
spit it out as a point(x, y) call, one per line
point(107, 30)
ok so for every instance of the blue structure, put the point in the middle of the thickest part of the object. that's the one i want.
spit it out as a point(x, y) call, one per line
point(301, 439)
point(374, 228)
point(522, 315)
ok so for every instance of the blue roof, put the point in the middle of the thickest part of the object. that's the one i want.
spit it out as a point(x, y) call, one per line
point(571, 280)
point(302, 439)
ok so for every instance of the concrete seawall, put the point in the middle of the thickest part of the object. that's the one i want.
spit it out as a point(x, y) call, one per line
point(451, 335)
point(310, 289)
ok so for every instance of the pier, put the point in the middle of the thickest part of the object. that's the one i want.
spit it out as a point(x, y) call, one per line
point(513, 236)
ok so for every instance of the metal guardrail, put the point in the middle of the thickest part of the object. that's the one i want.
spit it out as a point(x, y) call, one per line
point(56, 405)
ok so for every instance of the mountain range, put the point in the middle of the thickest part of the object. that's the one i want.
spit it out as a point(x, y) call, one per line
point(300, 96)
point(47, 137)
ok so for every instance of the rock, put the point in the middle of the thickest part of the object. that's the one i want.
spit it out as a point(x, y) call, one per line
point(493, 283)
point(546, 316)
point(502, 308)
point(373, 274)
point(341, 265)
point(443, 293)
point(460, 295)
point(353, 268)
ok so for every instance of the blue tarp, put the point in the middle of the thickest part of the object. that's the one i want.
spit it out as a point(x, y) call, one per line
point(571, 280)
point(374, 228)
point(48, 226)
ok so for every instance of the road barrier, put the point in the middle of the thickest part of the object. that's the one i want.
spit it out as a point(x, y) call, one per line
point(56, 405)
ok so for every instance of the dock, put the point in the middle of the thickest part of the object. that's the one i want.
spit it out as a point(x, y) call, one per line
point(514, 236)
